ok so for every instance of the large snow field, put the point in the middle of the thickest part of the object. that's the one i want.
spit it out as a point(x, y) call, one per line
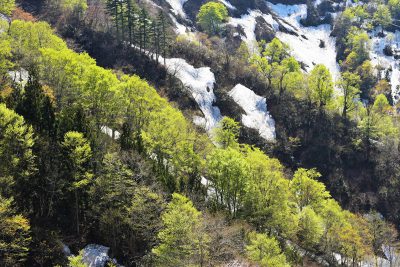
point(306, 47)
point(257, 116)
point(200, 83)
point(378, 58)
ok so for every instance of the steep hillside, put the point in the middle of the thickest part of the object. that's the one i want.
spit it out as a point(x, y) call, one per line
point(199, 133)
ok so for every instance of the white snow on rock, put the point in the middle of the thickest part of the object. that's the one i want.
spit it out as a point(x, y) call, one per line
point(200, 83)
point(19, 76)
point(378, 58)
point(306, 46)
point(257, 116)
point(179, 28)
point(110, 132)
point(96, 256)
point(177, 7)
point(248, 23)
point(228, 4)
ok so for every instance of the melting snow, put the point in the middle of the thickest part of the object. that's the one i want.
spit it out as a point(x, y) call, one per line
point(306, 47)
point(97, 256)
point(228, 4)
point(257, 115)
point(378, 58)
point(248, 23)
point(19, 76)
point(110, 132)
point(177, 7)
point(180, 28)
point(200, 82)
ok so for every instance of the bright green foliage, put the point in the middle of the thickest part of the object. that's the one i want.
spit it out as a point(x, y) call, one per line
point(267, 196)
point(227, 133)
point(211, 16)
point(375, 123)
point(262, 65)
point(5, 56)
point(310, 228)
point(321, 85)
point(349, 84)
point(7, 6)
point(382, 16)
point(128, 214)
point(16, 156)
point(381, 104)
point(228, 172)
point(76, 261)
point(306, 190)
point(168, 136)
point(394, 6)
point(156, 127)
point(382, 233)
point(354, 238)
point(334, 218)
point(140, 100)
point(276, 51)
point(344, 232)
point(144, 214)
point(14, 235)
point(28, 37)
point(79, 6)
point(78, 153)
point(358, 45)
point(77, 79)
point(182, 240)
point(287, 75)
point(265, 251)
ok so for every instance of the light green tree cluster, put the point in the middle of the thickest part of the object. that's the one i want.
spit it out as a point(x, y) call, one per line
point(183, 241)
point(249, 184)
point(14, 235)
point(7, 6)
point(211, 16)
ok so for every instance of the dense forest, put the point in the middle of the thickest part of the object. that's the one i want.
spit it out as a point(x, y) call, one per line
point(122, 142)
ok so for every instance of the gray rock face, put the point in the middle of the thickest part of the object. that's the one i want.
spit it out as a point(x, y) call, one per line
point(4, 17)
point(96, 255)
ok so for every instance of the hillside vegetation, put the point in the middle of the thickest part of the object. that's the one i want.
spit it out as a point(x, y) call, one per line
point(199, 147)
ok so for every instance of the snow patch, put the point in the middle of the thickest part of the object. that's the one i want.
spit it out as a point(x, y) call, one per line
point(19, 76)
point(97, 256)
point(257, 116)
point(228, 4)
point(179, 28)
point(313, 45)
point(177, 7)
point(200, 82)
point(110, 132)
point(379, 59)
point(248, 23)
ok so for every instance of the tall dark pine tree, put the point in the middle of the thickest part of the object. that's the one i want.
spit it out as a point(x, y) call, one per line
point(131, 14)
point(112, 7)
point(122, 19)
point(36, 106)
point(143, 29)
point(162, 42)
point(30, 105)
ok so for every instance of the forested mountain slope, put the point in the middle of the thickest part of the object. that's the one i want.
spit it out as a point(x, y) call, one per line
point(199, 133)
